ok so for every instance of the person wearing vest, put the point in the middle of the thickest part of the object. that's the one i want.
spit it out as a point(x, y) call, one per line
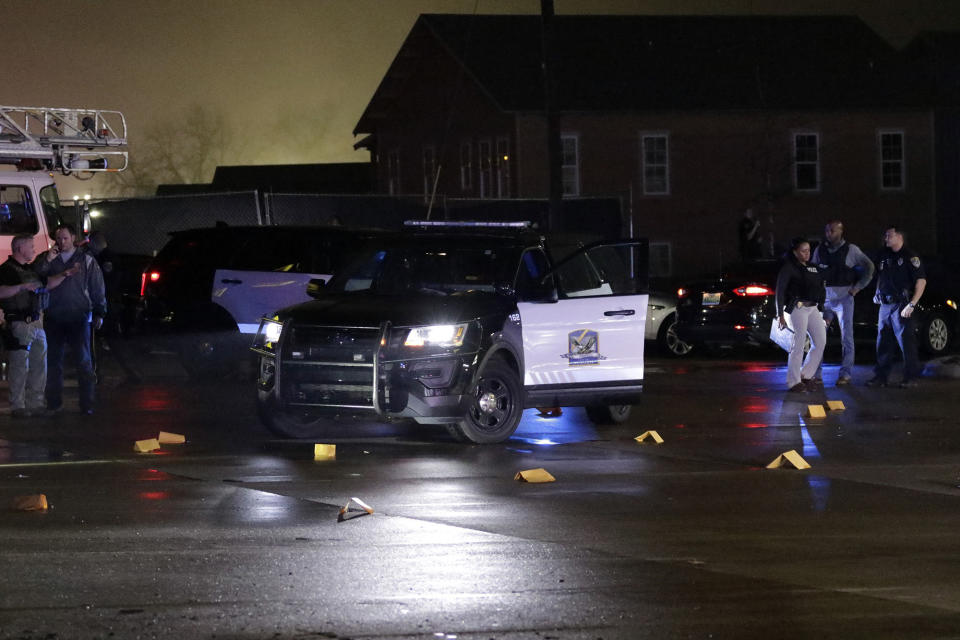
point(846, 271)
point(901, 280)
point(23, 294)
point(73, 308)
point(800, 293)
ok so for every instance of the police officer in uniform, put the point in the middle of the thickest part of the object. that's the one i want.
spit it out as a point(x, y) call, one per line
point(846, 271)
point(23, 298)
point(800, 293)
point(900, 284)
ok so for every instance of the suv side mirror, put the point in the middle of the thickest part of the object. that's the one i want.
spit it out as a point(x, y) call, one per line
point(315, 286)
point(544, 291)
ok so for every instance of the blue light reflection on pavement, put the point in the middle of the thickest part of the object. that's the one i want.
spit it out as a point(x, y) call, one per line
point(819, 492)
point(570, 426)
point(810, 451)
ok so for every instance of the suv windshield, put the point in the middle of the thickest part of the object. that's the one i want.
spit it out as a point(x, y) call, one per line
point(438, 269)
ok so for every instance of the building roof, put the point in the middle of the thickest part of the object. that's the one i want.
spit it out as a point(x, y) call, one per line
point(630, 63)
point(935, 56)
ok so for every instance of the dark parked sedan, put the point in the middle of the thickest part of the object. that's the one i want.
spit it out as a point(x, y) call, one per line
point(738, 308)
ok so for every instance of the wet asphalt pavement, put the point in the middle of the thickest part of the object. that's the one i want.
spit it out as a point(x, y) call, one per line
point(235, 534)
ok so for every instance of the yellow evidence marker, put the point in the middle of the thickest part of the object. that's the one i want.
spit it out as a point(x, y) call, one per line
point(649, 434)
point(792, 457)
point(324, 452)
point(534, 475)
point(146, 446)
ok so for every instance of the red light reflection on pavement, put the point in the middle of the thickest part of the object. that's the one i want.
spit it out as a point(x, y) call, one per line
point(153, 495)
point(155, 399)
point(754, 404)
point(152, 475)
point(753, 367)
point(754, 425)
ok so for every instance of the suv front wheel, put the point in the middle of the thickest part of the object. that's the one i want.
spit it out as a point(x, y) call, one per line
point(495, 408)
point(287, 423)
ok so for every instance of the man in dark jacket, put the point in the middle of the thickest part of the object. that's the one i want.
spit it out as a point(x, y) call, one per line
point(73, 307)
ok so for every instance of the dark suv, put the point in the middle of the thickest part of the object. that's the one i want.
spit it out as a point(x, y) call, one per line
point(206, 290)
point(461, 326)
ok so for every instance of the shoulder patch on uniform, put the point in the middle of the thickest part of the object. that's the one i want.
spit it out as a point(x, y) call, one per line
point(915, 261)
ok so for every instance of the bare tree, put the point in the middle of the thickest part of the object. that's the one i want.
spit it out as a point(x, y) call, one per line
point(184, 148)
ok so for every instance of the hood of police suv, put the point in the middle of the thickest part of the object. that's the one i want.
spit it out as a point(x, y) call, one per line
point(361, 309)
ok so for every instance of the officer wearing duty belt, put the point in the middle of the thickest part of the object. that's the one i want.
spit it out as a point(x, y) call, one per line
point(900, 283)
point(23, 299)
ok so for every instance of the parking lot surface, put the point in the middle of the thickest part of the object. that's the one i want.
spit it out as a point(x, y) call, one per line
point(235, 534)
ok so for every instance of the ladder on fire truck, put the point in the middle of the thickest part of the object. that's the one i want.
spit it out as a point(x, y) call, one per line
point(67, 140)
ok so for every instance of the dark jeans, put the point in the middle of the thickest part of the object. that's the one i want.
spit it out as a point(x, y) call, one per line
point(894, 332)
point(76, 335)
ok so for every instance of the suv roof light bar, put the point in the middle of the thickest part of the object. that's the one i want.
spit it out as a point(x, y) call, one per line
point(466, 223)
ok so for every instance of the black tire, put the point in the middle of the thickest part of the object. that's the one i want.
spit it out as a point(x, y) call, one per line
point(496, 407)
point(212, 356)
point(934, 335)
point(289, 424)
point(609, 414)
point(668, 340)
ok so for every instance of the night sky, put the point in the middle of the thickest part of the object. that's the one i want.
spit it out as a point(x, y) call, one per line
point(288, 79)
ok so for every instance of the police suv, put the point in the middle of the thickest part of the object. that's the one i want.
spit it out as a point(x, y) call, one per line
point(462, 325)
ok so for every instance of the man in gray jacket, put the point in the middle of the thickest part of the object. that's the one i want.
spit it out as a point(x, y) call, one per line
point(846, 270)
point(76, 304)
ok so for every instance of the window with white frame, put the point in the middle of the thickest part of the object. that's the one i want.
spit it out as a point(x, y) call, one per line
point(429, 169)
point(393, 172)
point(806, 161)
point(660, 260)
point(570, 164)
point(503, 167)
point(655, 163)
point(892, 161)
point(466, 165)
point(485, 150)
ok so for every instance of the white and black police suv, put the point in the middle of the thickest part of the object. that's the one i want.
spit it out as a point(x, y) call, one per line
point(462, 325)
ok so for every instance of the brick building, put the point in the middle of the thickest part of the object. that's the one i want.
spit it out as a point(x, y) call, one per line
point(689, 120)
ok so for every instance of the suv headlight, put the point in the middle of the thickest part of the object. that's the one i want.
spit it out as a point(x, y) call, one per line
point(438, 335)
point(268, 334)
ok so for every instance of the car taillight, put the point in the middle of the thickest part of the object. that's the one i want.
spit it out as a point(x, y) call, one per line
point(682, 293)
point(147, 276)
point(754, 290)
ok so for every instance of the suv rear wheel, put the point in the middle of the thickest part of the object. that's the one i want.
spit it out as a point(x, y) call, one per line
point(496, 408)
point(609, 414)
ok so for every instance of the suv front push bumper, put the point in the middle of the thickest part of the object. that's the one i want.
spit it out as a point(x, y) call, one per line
point(321, 376)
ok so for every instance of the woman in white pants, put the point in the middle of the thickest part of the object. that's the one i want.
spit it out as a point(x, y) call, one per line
point(801, 293)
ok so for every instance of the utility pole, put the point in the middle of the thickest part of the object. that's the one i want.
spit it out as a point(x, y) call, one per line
point(548, 48)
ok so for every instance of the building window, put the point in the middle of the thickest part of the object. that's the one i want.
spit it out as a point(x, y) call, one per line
point(486, 168)
point(806, 161)
point(429, 170)
point(655, 161)
point(892, 161)
point(393, 172)
point(466, 166)
point(660, 260)
point(503, 167)
point(570, 164)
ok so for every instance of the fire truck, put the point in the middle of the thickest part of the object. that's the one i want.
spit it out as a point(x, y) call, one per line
point(37, 142)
